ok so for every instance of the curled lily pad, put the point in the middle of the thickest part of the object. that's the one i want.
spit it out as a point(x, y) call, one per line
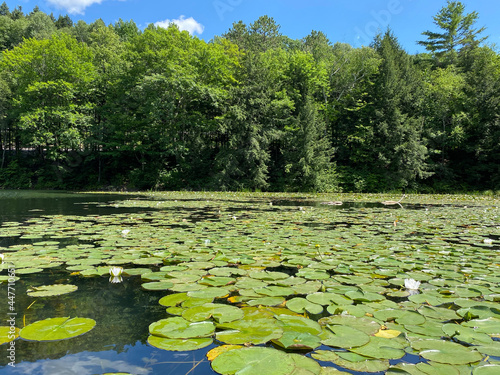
point(51, 290)
point(54, 329)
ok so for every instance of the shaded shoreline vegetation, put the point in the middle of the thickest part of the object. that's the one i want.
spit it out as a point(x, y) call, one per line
point(94, 105)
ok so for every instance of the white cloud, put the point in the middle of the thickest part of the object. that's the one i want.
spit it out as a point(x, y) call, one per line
point(188, 24)
point(74, 6)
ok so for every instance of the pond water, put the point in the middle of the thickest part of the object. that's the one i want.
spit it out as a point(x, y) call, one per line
point(263, 257)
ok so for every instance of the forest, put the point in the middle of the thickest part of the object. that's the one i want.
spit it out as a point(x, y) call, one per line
point(96, 106)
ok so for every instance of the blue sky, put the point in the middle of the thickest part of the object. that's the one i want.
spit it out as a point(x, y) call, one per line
point(349, 21)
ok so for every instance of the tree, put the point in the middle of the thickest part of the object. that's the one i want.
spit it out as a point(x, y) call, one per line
point(398, 149)
point(4, 9)
point(305, 147)
point(261, 35)
point(39, 26)
point(458, 32)
point(49, 79)
point(63, 21)
point(126, 29)
point(318, 45)
point(17, 13)
point(255, 115)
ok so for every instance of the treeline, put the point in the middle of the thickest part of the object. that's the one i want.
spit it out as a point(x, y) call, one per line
point(94, 105)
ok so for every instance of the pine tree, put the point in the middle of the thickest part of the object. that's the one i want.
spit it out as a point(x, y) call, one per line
point(457, 32)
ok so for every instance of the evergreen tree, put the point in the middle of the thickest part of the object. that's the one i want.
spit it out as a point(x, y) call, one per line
point(399, 150)
point(4, 9)
point(457, 32)
point(63, 21)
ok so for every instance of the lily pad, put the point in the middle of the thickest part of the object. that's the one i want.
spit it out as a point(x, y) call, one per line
point(221, 313)
point(254, 360)
point(180, 328)
point(8, 334)
point(446, 352)
point(179, 345)
point(54, 329)
point(300, 305)
point(51, 290)
point(345, 337)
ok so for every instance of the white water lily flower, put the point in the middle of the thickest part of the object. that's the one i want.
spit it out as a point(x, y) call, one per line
point(115, 271)
point(115, 279)
point(412, 284)
point(207, 242)
point(125, 232)
point(488, 241)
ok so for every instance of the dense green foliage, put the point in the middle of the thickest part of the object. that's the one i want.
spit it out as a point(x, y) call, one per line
point(92, 106)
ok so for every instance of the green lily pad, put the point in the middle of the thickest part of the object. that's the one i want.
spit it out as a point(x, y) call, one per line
point(438, 313)
point(345, 337)
point(466, 334)
point(8, 334)
point(365, 325)
point(381, 348)
point(488, 369)
point(490, 326)
point(326, 299)
point(180, 328)
point(446, 352)
point(54, 329)
point(352, 361)
point(266, 301)
point(157, 285)
point(209, 293)
point(400, 316)
point(51, 290)
point(221, 313)
point(173, 299)
point(179, 345)
point(254, 360)
point(300, 305)
point(253, 331)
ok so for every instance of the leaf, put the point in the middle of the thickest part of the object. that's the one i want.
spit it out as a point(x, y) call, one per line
point(54, 329)
point(8, 334)
point(300, 305)
point(446, 352)
point(254, 360)
point(180, 328)
point(215, 352)
point(51, 290)
point(345, 337)
point(179, 345)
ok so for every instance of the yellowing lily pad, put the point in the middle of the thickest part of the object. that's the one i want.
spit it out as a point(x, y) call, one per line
point(8, 334)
